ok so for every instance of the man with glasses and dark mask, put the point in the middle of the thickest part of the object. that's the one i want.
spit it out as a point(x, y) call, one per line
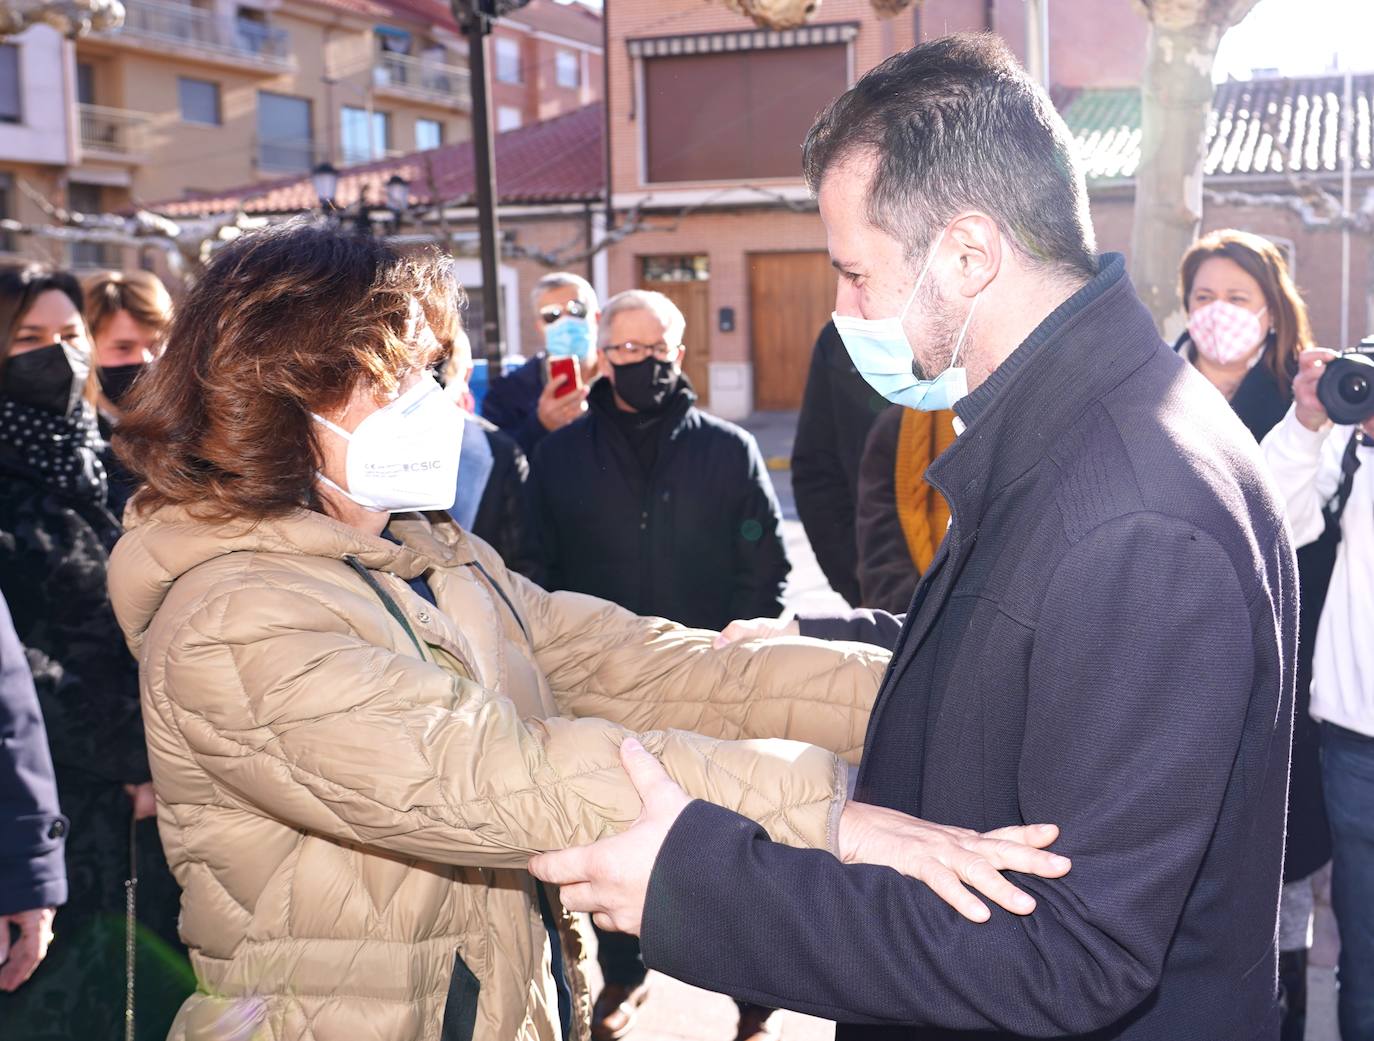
point(656, 506)
point(526, 404)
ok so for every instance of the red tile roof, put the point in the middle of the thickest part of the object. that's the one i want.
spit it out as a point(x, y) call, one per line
point(557, 160)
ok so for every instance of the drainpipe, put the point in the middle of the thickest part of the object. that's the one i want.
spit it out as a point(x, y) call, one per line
point(606, 109)
point(1347, 150)
point(587, 233)
point(990, 15)
point(1038, 41)
point(332, 115)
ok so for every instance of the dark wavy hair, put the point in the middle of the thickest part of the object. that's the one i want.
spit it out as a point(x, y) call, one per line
point(956, 123)
point(20, 287)
point(282, 323)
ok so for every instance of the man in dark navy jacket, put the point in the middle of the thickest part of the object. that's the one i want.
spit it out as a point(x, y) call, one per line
point(1105, 640)
point(33, 879)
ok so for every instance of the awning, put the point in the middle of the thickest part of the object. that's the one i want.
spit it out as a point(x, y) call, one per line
point(746, 40)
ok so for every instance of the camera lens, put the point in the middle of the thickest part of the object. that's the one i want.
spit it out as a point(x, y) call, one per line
point(1346, 389)
point(1354, 388)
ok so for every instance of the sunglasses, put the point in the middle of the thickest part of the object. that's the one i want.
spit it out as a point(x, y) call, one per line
point(573, 309)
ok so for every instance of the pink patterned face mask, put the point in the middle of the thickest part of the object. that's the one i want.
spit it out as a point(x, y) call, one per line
point(1226, 333)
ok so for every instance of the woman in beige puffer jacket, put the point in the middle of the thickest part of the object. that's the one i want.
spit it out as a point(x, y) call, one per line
point(351, 779)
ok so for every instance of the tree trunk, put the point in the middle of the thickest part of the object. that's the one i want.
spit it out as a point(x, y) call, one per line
point(1175, 104)
point(1176, 101)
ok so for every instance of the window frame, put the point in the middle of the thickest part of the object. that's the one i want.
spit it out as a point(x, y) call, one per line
point(17, 119)
point(85, 83)
point(185, 81)
point(283, 141)
point(498, 58)
point(9, 243)
point(438, 125)
point(379, 118)
point(90, 255)
point(574, 62)
point(640, 106)
point(367, 120)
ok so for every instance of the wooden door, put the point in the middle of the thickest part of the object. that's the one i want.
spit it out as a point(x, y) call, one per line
point(791, 296)
point(693, 300)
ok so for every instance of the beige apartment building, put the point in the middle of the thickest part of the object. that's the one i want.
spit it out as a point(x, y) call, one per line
point(195, 96)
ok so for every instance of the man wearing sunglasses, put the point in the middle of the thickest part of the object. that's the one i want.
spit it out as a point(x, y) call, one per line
point(667, 511)
point(526, 404)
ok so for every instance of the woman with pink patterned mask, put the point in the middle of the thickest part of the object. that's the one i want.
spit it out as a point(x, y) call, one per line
point(1247, 324)
point(1244, 314)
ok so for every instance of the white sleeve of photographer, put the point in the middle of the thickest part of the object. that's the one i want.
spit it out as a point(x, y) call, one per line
point(1306, 468)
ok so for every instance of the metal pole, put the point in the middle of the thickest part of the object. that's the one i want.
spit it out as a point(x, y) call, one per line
point(476, 26)
point(606, 111)
point(1038, 41)
point(1347, 157)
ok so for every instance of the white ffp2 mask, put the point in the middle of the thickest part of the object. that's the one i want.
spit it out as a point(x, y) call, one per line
point(405, 455)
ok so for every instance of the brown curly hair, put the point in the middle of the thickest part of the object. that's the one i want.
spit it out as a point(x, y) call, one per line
point(283, 323)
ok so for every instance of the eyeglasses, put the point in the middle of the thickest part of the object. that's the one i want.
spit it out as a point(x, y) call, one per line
point(629, 352)
point(573, 309)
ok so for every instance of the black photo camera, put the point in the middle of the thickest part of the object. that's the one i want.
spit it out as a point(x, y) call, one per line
point(1346, 389)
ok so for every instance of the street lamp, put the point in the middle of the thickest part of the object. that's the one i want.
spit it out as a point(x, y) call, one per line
point(397, 194)
point(326, 181)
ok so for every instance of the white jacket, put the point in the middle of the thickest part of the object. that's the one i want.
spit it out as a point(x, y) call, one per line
point(1306, 466)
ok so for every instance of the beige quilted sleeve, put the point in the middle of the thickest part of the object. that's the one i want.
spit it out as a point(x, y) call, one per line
point(647, 673)
point(288, 711)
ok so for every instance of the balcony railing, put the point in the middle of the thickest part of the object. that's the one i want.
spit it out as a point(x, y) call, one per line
point(421, 76)
point(112, 130)
point(180, 24)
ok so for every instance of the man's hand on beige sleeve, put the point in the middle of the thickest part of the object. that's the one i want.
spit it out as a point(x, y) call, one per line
point(757, 629)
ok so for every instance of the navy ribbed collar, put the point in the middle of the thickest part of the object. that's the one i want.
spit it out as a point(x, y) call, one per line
point(1111, 269)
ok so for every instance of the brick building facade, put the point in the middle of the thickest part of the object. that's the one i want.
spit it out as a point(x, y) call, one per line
point(745, 255)
point(742, 247)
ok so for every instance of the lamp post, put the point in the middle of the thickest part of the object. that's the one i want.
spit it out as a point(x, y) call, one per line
point(397, 197)
point(476, 18)
point(326, 181)
point(362, 220)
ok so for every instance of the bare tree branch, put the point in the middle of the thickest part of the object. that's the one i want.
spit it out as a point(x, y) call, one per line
point(633, 223)
point(1314, 216)
point(188, 245)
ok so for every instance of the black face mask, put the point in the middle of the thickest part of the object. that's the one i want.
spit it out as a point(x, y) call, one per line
point(49, 378)
point(646, 385)
point(115, 380)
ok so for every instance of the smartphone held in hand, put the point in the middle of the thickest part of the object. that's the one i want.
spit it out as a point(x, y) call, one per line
point(564, 373)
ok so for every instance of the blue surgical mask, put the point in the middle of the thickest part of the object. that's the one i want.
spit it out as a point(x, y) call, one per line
point(882, 354)
point(568, 337)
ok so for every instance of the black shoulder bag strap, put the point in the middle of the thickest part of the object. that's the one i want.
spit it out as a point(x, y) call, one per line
point(392, 608)
point(1350, 462)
